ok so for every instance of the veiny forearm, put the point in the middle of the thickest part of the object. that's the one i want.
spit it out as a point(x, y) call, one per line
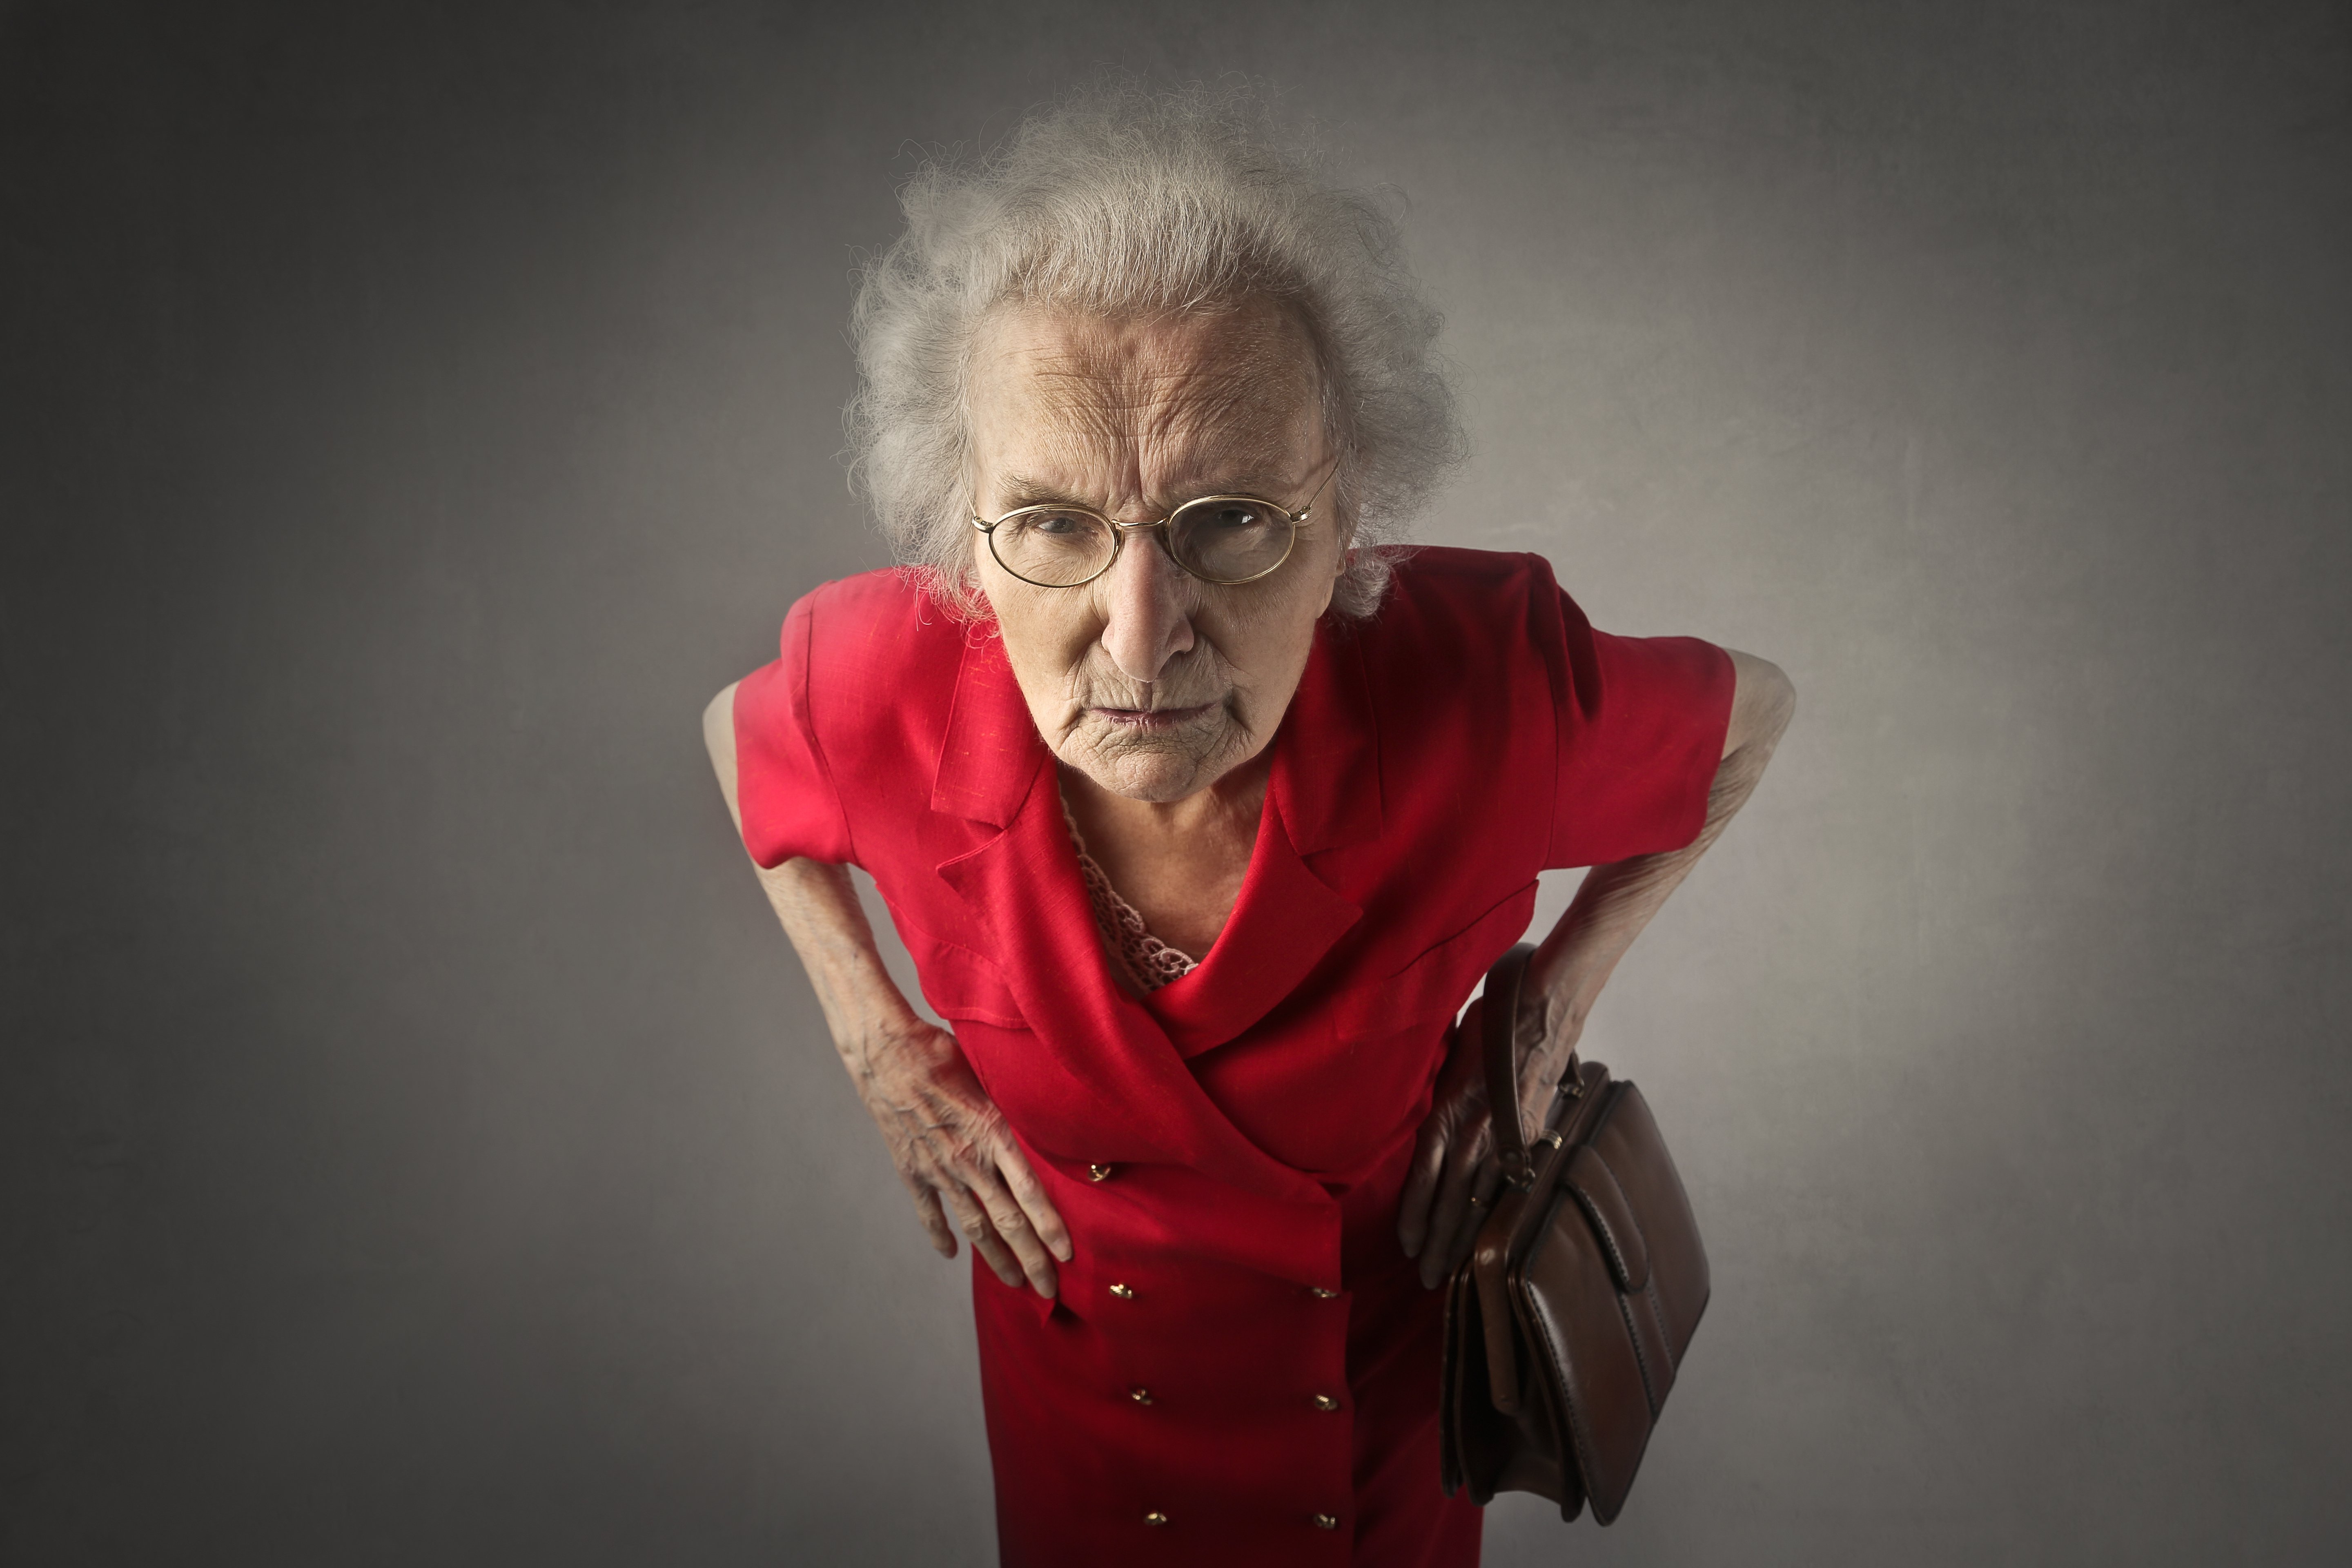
point(1617, 900)
point(821, 914)
point(828, 928)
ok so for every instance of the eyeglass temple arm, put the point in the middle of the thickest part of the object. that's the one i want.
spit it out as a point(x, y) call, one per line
point(1300, 515)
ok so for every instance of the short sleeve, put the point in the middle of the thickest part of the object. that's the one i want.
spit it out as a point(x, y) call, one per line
point(782, 786)
point(1640, 728)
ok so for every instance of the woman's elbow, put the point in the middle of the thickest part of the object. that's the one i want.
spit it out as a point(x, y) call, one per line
point(719, 738)
point(1763, 700)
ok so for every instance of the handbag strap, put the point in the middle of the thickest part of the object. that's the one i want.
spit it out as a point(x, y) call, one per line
point(1504, 984)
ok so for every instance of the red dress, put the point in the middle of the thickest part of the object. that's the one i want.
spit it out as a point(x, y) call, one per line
point(1242, 1367)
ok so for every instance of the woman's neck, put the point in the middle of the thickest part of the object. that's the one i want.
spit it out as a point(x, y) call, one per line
point(1180, 863)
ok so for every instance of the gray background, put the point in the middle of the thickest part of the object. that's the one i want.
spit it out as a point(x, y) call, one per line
point(419, 1145)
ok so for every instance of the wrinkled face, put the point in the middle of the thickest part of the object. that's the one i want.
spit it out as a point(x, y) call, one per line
point(1148, 681)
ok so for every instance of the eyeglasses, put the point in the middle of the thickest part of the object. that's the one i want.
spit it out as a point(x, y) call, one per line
point(1224, 540)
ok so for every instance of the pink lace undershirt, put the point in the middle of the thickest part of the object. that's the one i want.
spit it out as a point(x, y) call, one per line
point(1148, 961)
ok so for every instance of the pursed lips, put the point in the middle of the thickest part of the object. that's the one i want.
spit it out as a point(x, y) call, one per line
point(1152, 718)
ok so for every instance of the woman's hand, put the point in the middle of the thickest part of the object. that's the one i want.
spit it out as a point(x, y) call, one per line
point(1454, 1174)
point(946, 1137)
point(954, 1151)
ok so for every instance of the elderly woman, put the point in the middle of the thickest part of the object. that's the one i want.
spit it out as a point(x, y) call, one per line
point(1201, 811)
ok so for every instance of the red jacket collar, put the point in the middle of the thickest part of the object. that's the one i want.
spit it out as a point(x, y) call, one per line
point(991, 751)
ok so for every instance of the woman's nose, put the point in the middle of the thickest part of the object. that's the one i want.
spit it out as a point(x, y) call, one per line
point(1147, 608)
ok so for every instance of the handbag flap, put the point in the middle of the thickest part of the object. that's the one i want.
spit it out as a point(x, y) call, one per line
point(1572, 1313)
point(1630, 1144)
point(1609, 1288)
point(1604, 1201)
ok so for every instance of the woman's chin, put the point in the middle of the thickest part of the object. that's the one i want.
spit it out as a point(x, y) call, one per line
point(1159, 767)
point(1155, 775)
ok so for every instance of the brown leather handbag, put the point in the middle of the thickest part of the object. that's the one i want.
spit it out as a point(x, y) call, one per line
point(1565, 1326)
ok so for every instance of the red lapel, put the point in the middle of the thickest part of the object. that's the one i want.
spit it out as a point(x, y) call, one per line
point(1324, 791)
point(1022, 885)
point(993, 751)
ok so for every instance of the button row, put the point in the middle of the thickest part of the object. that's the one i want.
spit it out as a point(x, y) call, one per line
point(1319, 1521)
point(1322, 1401)
point(1143, 1395)
point(1127, 1292)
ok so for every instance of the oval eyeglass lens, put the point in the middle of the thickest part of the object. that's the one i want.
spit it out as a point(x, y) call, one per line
point(1053, 547)
point(1229, 539)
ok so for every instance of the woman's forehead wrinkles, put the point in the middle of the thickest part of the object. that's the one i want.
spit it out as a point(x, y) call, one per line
point(1196, 445)
point(1154, 395)
point(1075, 460)
point(1207, 473)
point(1086, 414)
point(1194, 400)
point(1099, 367)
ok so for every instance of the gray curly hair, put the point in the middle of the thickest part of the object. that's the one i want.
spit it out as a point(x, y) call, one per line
point(1122, 203)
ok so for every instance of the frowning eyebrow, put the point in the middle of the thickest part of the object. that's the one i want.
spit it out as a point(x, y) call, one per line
point(1023, 489)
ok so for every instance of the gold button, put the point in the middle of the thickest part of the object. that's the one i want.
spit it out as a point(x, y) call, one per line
point(1140, 1395)
point(1325, 1402)
point(1319, 1293)
point(1122, 1292)
point(1325, 1521)
point(1156, 1517)
point(1097, 1173)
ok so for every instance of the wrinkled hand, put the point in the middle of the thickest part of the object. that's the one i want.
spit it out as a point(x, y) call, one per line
point(955, 1154)
point(1454, 1174)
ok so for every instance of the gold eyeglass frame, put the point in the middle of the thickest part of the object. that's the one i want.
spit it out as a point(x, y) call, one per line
point(1120, 531)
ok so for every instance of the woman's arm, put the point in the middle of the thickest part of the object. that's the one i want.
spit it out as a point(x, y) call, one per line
point(1617, 900)
point(946, 1137)
point(1571, 967)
